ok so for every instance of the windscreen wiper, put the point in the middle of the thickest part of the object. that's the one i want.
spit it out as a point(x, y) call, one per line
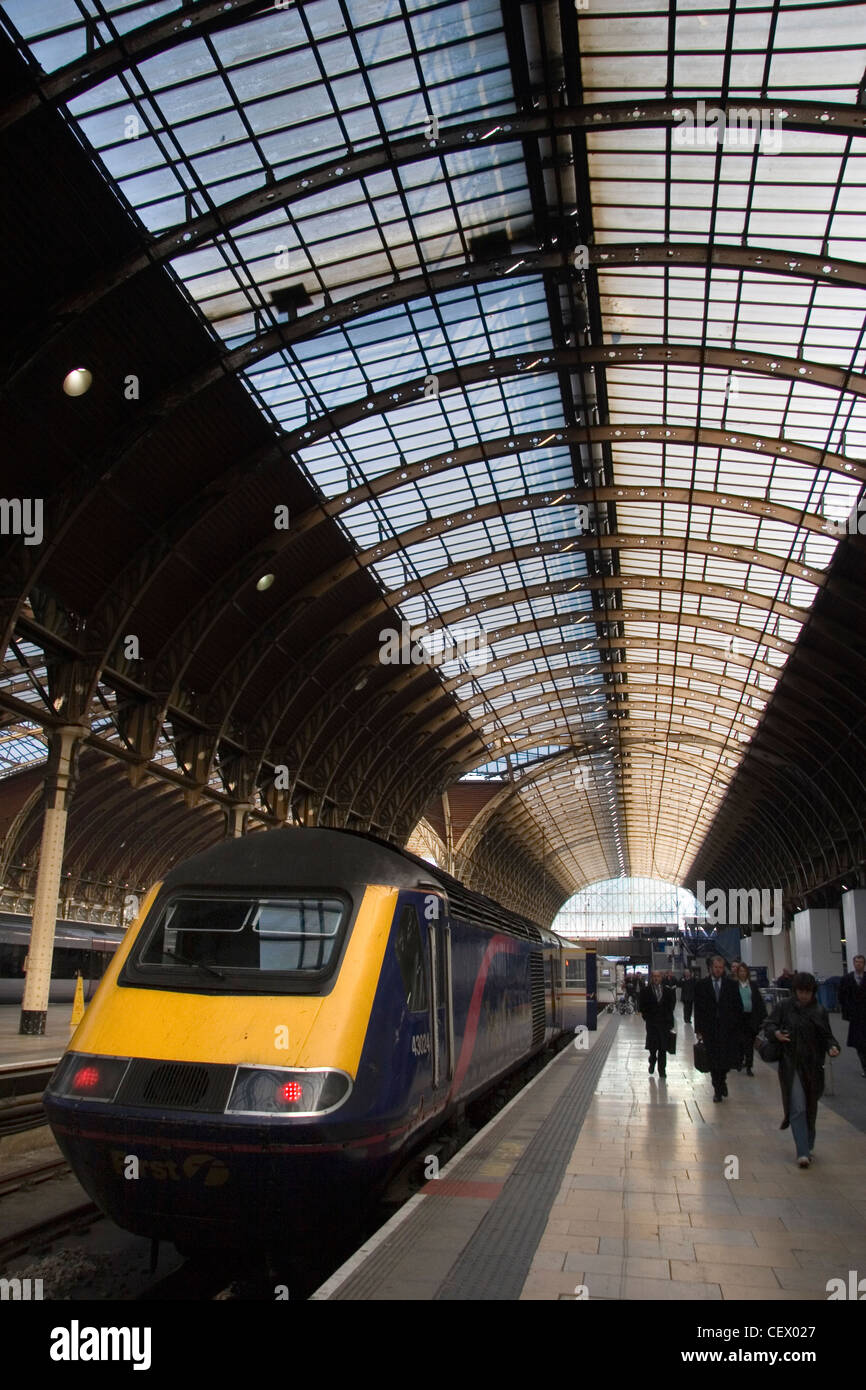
point(196, 964)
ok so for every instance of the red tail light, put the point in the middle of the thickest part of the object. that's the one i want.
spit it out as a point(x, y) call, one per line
point(83, 1076)
point(85, 1079)
point(287, 1093)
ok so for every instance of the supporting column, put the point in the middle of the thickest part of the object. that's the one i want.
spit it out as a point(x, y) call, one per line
point(854, 921)
point(818, 941)
point(236, 819)
point(780, 953)
point(757, 950)
point(59, 783)
point(449, 832)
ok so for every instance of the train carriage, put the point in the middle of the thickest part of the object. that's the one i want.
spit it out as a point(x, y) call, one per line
point(293, 1012)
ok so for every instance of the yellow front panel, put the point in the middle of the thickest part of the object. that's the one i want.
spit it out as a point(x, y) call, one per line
point(285, 1030)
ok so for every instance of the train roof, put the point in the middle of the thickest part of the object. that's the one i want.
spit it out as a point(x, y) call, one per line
point(318, 858)
point(16, 927)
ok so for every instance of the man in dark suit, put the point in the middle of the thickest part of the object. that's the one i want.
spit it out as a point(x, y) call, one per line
point(657, 1003)
point(717, 1017)
point(852, 1002)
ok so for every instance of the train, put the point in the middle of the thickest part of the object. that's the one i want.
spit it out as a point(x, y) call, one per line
point(292, 1014)
point(79, 949)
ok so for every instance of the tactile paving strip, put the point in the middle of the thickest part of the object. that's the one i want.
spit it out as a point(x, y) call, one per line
point(496, 1261)
point(492, 1247)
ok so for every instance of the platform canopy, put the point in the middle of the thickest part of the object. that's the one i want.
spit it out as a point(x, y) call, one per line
point(477, 392)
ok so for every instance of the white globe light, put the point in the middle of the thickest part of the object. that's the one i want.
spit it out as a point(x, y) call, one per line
point(77, 382)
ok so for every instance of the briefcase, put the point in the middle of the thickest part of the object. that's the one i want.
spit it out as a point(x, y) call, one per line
point(672, 1042)
point(702, 1061)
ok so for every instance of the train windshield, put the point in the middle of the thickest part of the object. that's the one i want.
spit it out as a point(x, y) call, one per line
point(225, 936)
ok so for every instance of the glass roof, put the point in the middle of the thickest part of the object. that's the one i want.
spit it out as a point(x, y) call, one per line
point(635, 628)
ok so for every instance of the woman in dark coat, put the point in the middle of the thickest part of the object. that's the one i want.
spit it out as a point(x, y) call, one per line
point(754, 1012)
point(800, 1024)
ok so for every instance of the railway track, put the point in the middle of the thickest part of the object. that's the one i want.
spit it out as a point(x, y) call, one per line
point(21, 1114)
point(25, 1078)
point(31, 1177)
point(21, 1087)
point(73, 1217)
point(51, 1229)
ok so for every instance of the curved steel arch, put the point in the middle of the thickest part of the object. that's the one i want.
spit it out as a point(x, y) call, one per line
point(135, 46)
point(799, 857)
point(545, 362)
point(794, 846)
point(461, 736)
point(458, 765)
point(611, 615)
point(451, 619)
point(639, 114)
point(184, 638)
point(410, 673)
point(407, 674)
point(802, 802)
point(452, 712)
point(789, 846)
point(427, 284)
point(322, 584)
point(631, 697)
point(797, 758)
point(66, 507)
point(142, 572)
point(148, 563)
point(493, 806)
point(658, 667)
point(671, 544)
point(816, 698)
point(823, 118)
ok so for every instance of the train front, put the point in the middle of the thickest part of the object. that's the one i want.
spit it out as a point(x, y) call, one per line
point(215, 1092)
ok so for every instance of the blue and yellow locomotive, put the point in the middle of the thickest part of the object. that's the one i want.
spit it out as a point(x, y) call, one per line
point(291, 1014)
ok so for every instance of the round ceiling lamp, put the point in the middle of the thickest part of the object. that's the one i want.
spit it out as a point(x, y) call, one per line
point(77, 382)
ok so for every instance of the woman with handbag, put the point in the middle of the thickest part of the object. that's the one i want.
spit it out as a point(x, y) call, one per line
point(754, 1011)
point(801, 1030)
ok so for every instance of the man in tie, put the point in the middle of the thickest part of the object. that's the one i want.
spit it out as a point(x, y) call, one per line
point(852, 1002)
point(717, 1016)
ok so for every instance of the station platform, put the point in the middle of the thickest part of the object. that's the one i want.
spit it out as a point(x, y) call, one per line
point(16, 1047)
point(601, 1182)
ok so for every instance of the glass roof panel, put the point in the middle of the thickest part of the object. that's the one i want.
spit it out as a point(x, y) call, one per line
point(685, 582)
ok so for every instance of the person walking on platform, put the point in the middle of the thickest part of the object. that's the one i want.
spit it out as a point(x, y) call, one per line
point(657, 1004)
point(800, 1024)
point(717, 1015)
point(687, 994)
point(754, 1011)
point(852, 1002)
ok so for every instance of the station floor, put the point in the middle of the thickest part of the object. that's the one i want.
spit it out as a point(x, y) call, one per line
point(15, 1047)
point(602, 1182)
